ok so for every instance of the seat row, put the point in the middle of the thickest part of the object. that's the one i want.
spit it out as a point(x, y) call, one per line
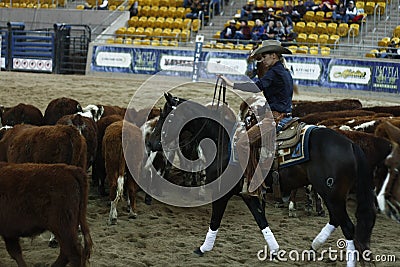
point(142, 41)
point(342, 29)
point(312, 50)
point(175, 3)
point(153, 33)
point(160, 22)
point(163, 11)
point(322, 39)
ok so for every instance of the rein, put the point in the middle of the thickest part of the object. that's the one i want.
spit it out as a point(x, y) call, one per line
point(222, 90)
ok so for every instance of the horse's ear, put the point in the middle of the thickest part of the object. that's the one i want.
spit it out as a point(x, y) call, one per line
point(169, 98)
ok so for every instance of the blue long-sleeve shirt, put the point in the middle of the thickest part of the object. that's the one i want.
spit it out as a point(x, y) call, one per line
point(276, 85)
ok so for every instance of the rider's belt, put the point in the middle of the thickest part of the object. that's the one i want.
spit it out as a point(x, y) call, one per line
point(278, 116)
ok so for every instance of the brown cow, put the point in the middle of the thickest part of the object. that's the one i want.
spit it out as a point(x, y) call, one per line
point(302, 108)
point(113, 110)
point(395, 110)
point(314, 118)
point(123, 140)
point(44, 144)
point(39, 197)
point(88, 128)
point(98, 168)
point(60, 107)
point(22, 113)
point(141, 116)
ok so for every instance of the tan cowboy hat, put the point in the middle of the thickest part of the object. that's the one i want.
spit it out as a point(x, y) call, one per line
point(270, 46)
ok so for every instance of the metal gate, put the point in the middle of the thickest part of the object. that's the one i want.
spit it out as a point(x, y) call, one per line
point(71, 48)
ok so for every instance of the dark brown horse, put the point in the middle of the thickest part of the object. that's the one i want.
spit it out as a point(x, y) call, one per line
point(335, 164)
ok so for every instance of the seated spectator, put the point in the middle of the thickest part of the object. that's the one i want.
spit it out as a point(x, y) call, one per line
point(244, 32)
point(280, 32)
point(257, 31)
point(269, 32)
point(195, 8)
point(310, 5)
point(339, 13)
point(326, 6)
point(229, 31)
point(351, 12)
point(270, 15)
point(288, 8)
point(287, 23)
point(247, 10)
point(187, 3)
point(299, 11)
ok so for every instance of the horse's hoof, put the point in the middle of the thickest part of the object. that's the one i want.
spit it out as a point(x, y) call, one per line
point(133, 215)
point(112, 221)
point(53, 243)
point(198, 252)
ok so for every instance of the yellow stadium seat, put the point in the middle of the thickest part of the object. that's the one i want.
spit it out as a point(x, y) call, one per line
point(130, 31)
point(154, 11)
point(369, 8)
point(239, 46)
point(372, 53)
point(139, 31)
point(208, 45)
point(145, 11)
point(328, 15)
point(148, 31)
point(312, 38)
point(178, 23)
point(249, 47)
point(132, 22)
point(166, 33)
point(319, 16)
point(180, 12)
point(323, 39)
point(195, 26)
point(331, 28)
point(279, 4)
point(171, 12)
point(260, 3)
point(155, 43)
point(342, 29)
point(110, 41)
point(396, 40)
point(300, 27)
point(120, 32)
point(314, 50)
point(381, 8)
point(168, 22)
point(128, 41)
point(217, 35)
point(119, 40)
point(321, 28)
point(301, 38)
point(142, 22)
point(354, 29)
point(333, 40)
point(292, 48)
point(269, 3)
point(163, 11)
point(303, 49)
point(396, 31)
point(219, 46)
point(325, 51)
point(165, 43)
point(146, 42)
point(164, 2)
point(157, 32)
point(176, 33)
point(187, 23)
point(185, 34)
point(310, 27)
point(229, 46)
point(173, 43)
point(153, 2)
point(151, 22)
point(309, 16)
point(384, 42)
point(79, 7)
point(360, 4)
point(159, 22)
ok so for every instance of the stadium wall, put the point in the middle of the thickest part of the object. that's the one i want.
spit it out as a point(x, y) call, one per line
point(330, 72)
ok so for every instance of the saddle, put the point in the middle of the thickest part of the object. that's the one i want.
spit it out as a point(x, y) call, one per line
point(289, 136)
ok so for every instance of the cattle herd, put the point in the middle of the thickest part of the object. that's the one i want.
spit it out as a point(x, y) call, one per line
point(46, 159)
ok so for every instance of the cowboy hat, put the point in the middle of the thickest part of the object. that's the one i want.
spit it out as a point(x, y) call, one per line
point(270, 46)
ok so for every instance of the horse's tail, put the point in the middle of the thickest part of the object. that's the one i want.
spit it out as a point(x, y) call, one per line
point(366, 210)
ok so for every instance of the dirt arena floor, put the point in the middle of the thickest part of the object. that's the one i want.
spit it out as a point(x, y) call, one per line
point(164, 235)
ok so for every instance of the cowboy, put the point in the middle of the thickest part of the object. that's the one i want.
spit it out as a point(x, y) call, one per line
point(277, 86)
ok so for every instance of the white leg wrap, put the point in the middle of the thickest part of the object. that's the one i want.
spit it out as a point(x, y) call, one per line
point(271, 241)
point(209, 242)
point(322, 236)
point(351, 254)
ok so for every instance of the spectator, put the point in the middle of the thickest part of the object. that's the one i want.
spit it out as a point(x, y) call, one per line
point(195, 8)
point(257, 31)
point(270, 32)
point(244, 32)
point(339, 13)
point(247, 10)
point(326, 6)
point(280, 31)
point(216, 6)
point(287, 23)
point(270, 15)
point(310, 5)
point(229, 31)
point(133, 10)
point(351, 12)
point(187, 3)
point(288, 8)
point(299, 11)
